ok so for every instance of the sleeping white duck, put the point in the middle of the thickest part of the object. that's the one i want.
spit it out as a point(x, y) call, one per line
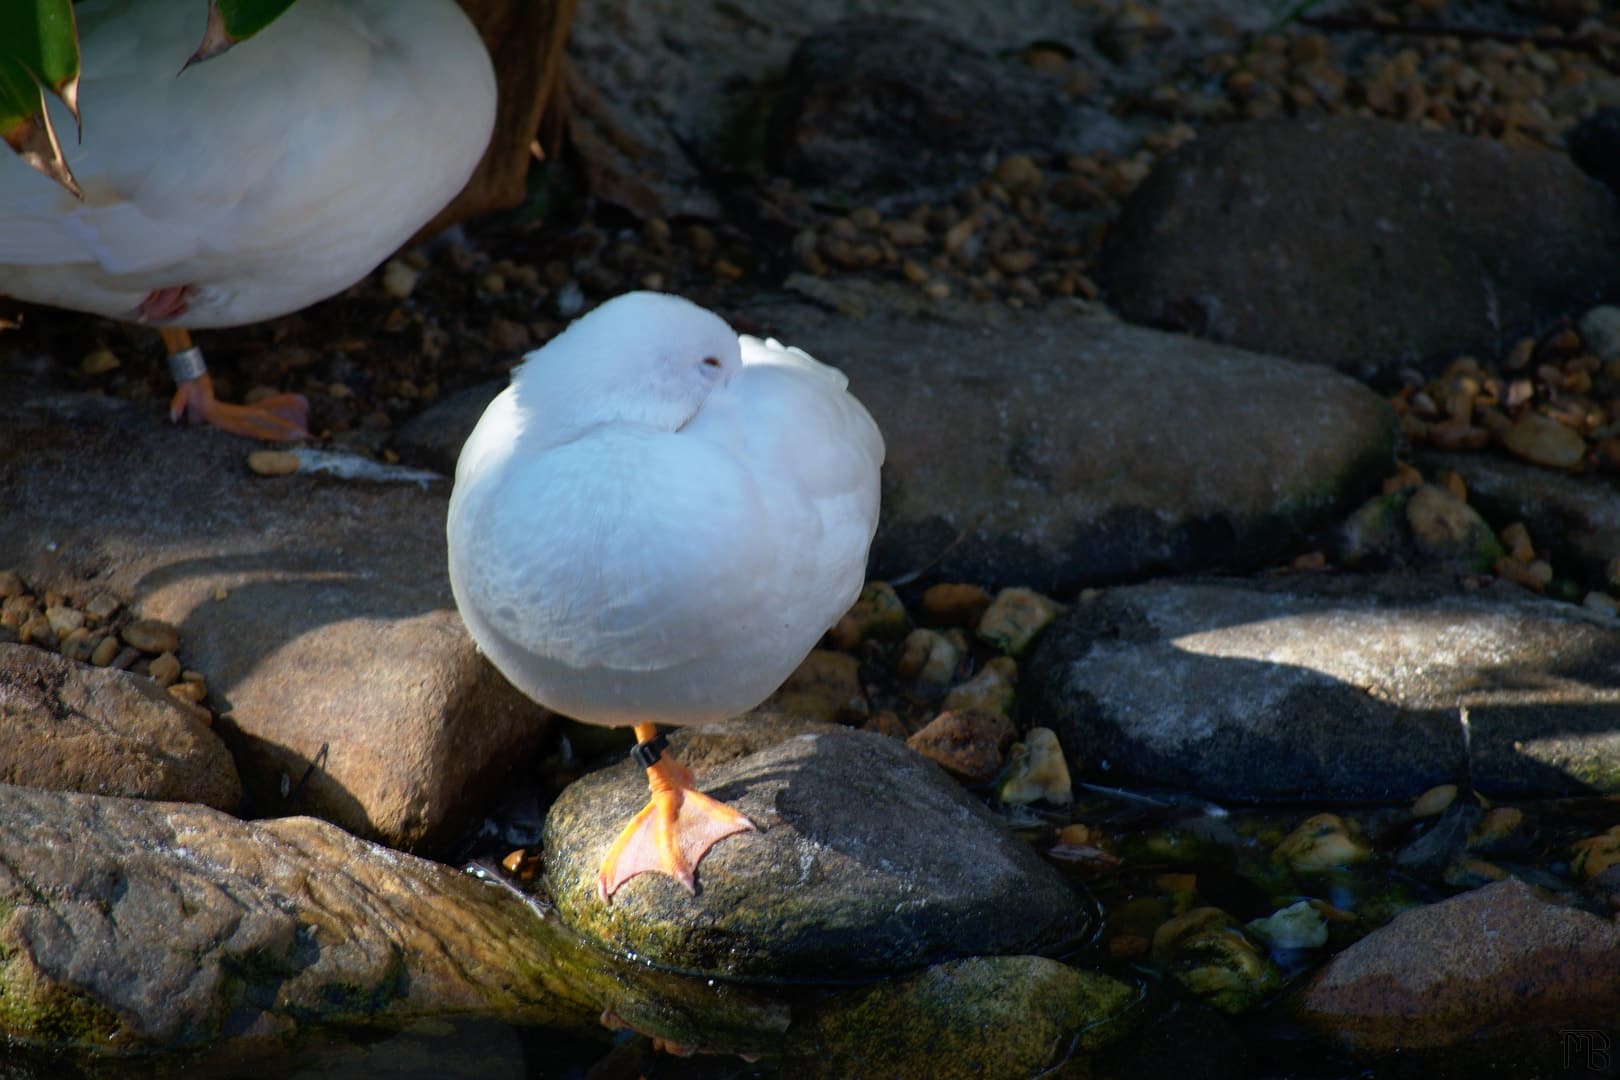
point(654, 524)
point(251, 185)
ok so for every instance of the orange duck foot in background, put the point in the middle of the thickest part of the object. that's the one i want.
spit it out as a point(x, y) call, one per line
point(278, 418)
point(673, 832)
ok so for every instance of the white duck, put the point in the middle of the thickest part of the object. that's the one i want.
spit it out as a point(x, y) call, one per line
point(655, 523)
point(251, 185)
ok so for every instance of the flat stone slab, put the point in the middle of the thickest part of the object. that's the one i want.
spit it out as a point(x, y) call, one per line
point(869, 861)
point(1341, 687)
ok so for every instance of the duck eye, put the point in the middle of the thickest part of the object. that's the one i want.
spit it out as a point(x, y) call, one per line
point(711, 361)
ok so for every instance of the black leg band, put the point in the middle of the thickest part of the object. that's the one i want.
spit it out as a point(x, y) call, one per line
point(646, 754)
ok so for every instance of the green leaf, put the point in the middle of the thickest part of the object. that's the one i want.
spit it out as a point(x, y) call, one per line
point(39, 52)
point(233, 21)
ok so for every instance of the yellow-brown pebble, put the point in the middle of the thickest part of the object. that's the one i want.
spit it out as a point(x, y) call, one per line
point(991, 690)
point(273, 462)
point(929, 656)
point(1014, 618)
point(955, 605)
point(1595, 854)
point(152, 636)
point(1037, 770)
point(966, 744)
point(104, 652)
point(164, 669)
point(1322, 842)
point(879, 615)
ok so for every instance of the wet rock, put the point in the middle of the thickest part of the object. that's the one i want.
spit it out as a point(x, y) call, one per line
point(1322, 842)
point(1595, 854)
point(1207, 952)
point(1271, 688)
point(1441, 244)
point(1052, 449)
point(72, 727)
point(968, 745)
point(868, 861)
point(129, 925)
point(986, 1016)
point(1499, 959)
point(1297, 926)
point(319, 611)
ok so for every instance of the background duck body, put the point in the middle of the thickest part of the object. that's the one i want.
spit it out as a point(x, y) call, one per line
point(254, 184)
point(640, 565)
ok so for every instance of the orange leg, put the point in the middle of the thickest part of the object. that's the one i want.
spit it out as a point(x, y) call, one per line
point(672, 833)
point(278, 418)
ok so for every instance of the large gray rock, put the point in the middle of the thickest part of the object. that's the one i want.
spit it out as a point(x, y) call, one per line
point(868, 861)
point(72, 727)
point(319, 611)
point(1338, 688)
point(1052, 449)
point(1363, 244)
point(1497, 960)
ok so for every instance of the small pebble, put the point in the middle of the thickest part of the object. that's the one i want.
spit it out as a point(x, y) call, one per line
point(1543, 441)
point(104, 652)
point(152, 636)
point(966, 744)
point(929, 656)
point(64, 620)
point(98, 361)
point(1014, 618)
point(953, 604)
point(1322, 842)
point(826, 686)
point(991, 690)
point(1297, 926)
point(164, 669)
point(399, 279)
point(273, 462)
point(1036, 770)
point(11, 584)
point(879, 615)
point(1590, 857)
point(1432, 802)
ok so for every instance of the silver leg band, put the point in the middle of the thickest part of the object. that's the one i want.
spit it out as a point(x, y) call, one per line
point(187, 364)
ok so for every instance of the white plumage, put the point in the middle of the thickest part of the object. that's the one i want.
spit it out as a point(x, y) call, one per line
point(658, 520)
point(265, 179)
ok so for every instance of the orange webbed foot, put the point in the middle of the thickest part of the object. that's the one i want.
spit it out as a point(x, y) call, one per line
point(672, 833)
point(278, 418)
